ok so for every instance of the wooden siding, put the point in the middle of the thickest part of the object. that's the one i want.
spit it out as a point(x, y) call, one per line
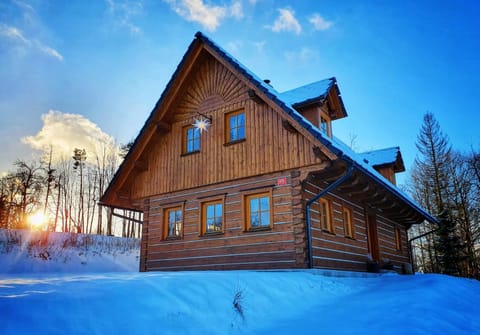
point(235, 248)
point(268, 146)
point(334, 250)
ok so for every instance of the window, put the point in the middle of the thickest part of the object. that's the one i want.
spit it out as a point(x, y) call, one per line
point(173, 219)
point(212, 217)
point(235, 126)
point(325, 124)
point(347, 222)
point(398, 239)
point(325, 218)
point(258, 211)
point(191, 139)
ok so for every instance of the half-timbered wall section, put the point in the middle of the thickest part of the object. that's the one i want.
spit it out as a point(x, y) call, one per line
point(214, 91)
point(233, 247)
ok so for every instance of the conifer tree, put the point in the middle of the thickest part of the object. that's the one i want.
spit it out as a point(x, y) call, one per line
point(432, 183)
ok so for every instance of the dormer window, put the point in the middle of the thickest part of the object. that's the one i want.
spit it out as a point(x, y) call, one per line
point(325, 124)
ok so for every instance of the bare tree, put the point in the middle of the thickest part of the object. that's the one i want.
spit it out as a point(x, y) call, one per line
point(79, 157)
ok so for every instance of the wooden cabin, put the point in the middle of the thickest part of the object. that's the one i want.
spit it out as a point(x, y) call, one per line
point(231, 174)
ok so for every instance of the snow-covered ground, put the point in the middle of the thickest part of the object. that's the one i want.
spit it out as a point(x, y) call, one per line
point(24, 251)
point(235, 302)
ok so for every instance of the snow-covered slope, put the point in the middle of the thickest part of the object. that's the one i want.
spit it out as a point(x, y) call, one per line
point(90, 300)
point(24, 251)
point(238, 302)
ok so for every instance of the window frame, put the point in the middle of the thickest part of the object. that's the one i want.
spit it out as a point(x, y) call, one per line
point(203, 217)
point(185, 140)
point(228, 116)
point(398, 239)
point(328, 216)
point(349, 223)
point(328, 123)
point(247, 210)
point(166, 212)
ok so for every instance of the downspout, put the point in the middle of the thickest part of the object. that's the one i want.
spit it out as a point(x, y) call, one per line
point(329, 188)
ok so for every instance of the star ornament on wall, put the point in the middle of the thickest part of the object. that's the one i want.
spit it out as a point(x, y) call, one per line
point(202, 124)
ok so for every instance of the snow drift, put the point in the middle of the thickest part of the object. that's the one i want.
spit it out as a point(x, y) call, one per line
point(89, 300)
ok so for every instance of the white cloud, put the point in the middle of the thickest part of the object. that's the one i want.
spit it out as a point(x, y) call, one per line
point(15, 34)
point(49, 51)
point(286, 22)
point(124, 12)
point(196, 11)
point(208, 16)
point(319, 23)
point(236, 10)
point(64, 132)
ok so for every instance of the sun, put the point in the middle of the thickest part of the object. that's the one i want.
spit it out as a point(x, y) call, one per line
point(37, 220)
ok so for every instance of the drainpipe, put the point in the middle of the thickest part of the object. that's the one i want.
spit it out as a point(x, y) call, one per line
point(330, 188)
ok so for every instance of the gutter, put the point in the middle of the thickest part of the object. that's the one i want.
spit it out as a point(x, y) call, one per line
point(330, 188)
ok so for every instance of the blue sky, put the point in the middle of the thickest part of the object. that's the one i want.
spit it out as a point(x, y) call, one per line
point(78, 71)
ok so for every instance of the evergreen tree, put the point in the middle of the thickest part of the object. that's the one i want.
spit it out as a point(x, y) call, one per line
point(448, 246)
point(432, 165)
point(433, 189)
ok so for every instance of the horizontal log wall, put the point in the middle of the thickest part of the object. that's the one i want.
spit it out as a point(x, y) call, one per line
point(213, 90)
point(235, 248)
point(334, 250)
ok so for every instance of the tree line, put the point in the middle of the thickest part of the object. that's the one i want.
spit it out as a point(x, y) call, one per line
point(65, 193)
point(446, 182)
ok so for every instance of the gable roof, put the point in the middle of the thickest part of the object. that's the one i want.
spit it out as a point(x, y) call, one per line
point(384, 157)
point(286, 102)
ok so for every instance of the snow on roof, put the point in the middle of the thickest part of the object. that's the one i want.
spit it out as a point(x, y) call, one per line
point(285, 101)
point(335, 145)
point(381, 156)
point(308, 93)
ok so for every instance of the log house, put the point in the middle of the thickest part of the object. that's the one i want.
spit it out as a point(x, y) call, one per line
point(231, 174)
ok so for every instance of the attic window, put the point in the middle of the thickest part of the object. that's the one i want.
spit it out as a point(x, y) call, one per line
point(191, 140)
point(325, 124)
point(235, 126)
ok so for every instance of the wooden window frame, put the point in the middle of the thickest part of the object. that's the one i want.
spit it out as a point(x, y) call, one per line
point(203, 216)
point(398, 239)
point(328, 215)
point(228, 116)
point(328, 123)
point(185, 140)
point(247, 211)
point(166, 212)
point(347, 213)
